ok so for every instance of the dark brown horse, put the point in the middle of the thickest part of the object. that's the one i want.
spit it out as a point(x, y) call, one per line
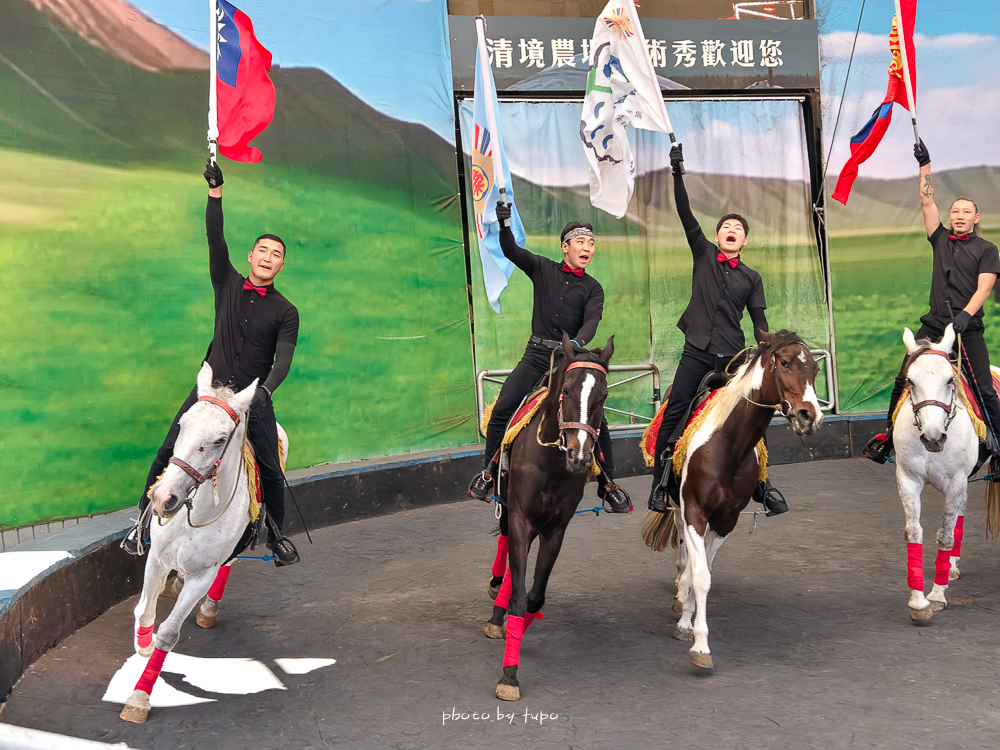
point(549, 462)
point(720, 468)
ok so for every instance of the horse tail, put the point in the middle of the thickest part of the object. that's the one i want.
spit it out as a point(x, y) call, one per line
point(660, 530)
point(993, 503)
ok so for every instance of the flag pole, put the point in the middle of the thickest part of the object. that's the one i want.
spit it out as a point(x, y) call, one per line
point(906, 71)
point(213, 55)
point(491, 118)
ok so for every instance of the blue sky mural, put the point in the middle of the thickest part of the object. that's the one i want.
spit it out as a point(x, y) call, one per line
point(393, 54)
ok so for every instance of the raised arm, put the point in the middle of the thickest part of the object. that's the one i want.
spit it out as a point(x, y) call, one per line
point(219, 264)
point(932, 217)
point(691, 226)
point(520, 257)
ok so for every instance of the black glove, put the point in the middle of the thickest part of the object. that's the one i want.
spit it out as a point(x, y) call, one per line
point(961, 322)
point(213, 175)
point(920, 153)
point(260, 399)
point(677, 158)
point(503, 212)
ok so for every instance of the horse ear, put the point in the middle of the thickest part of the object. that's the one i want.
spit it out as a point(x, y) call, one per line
point(568, 349)
point(766, 338)
point(244, 397)
point(607, 351)
point(948, 340)
point(909, 341)
point(205, 379)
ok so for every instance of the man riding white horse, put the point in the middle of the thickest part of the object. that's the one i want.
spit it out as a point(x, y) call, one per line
point(256, 329)
point(965, 268)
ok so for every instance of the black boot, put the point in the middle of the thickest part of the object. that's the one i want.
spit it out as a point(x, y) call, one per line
point(768, 495)
point(136, 541)
point(282, 548)
point(658, 494)
point(481, 486)
point(879, 447)
point(616, 497)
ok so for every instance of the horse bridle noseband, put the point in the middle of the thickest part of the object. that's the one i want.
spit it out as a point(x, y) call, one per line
point(951, 408)
point(564, 426)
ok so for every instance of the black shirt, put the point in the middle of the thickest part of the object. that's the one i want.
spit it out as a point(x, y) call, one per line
point(955, 277)
point(719, 293)
point(247, 326)
point(563, 301)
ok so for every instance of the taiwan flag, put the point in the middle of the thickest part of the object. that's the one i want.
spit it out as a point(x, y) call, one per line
point(863, 145)
point(244, 93)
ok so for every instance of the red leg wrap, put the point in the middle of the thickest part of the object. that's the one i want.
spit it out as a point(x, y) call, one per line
point(915, 566)
point(530, 618)
point(219, 584)
point(151, 672)
point(956, 551)
point(143, 636)
point(942, 564)
point(500, 562)
point(512, 649)
point(503, 598)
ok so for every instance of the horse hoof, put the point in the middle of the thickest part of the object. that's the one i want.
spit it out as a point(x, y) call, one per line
point(677, 606)
point(953, 574)
point(205, 621)
point(683, 634)
point(508, 692)
point(701, 660)
point(175, 587)
point(495, 631)
point(920, 615)
point(136, 708)
point(492, 591)
point(675, 588)
point(938, 606)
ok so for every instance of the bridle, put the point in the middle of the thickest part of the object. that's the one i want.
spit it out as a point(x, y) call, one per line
point(783, 403)
point(564, 426)
point(199, 478)
point(951, 408)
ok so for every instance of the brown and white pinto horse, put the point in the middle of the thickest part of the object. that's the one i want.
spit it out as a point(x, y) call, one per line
point(720, 469)
point(549, 462)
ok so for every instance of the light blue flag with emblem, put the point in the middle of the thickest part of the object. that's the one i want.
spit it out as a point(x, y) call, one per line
point(486, 148)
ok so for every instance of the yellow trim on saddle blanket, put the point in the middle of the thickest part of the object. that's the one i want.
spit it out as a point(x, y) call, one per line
point(657, 420)
point(977, 424)
point(681, 449)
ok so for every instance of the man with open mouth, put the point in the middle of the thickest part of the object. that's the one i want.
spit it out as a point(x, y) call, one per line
point(722, 287)
point(566, 300)
point(256, 329)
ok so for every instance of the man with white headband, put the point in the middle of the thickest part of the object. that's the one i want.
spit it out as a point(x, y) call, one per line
point(566, 300)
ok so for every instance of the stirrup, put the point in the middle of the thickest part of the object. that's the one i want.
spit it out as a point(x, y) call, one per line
point(877, 449)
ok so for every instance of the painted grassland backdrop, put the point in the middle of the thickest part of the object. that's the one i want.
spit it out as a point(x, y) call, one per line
point(879, 253)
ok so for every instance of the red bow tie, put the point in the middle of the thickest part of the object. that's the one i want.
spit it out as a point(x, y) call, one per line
point(247, 285)
point(959, 238)
point(574, 271)
point(733, 262)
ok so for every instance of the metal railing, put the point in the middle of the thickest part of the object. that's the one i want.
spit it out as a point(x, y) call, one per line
point(645, 370)
point(825, 360)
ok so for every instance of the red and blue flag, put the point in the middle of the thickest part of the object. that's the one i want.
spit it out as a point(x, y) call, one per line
point(863, 144)
point(244, 92)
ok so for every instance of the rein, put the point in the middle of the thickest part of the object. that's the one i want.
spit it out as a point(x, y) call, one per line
point(563, 426)
point(201, 479)
point(783, 404)
point(951, 408)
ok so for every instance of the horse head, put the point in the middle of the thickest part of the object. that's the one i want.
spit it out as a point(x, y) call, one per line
point(206, 433)
point(583, 388)
point(931, 381)
point(789, 376)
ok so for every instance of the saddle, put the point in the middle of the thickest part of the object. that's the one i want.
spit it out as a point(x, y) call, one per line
point(255, 530)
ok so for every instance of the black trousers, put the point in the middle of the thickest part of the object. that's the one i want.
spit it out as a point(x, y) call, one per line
point(695, 364)
point(262, 432)
point(519, 384)
point(979, 357)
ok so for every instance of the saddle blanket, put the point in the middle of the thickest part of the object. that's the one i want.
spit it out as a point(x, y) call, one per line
point(648, 440)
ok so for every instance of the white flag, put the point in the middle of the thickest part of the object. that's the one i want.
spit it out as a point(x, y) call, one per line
point(622, 88)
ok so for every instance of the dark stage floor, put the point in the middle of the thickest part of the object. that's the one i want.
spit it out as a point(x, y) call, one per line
point(810, 634)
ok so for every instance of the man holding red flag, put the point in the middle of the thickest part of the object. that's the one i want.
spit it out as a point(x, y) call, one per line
point(243, 92)
point(863, 145)
point(965, 269)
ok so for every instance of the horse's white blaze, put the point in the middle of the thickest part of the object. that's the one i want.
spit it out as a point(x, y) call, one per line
point(588, 386)
point(810, 398)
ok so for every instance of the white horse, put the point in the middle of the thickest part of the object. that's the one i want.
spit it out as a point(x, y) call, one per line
point(936, 444)
point(207, 475)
